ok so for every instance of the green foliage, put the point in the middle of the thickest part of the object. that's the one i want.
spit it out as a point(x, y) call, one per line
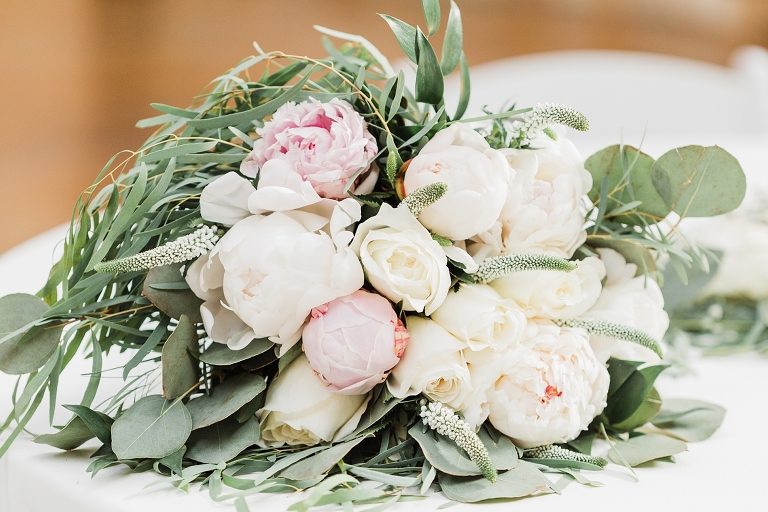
point(174, 302)
point(525, 479)
point(630, 388)
point(431, 10)
point(222, 441)
point(73, 434)
point(219, 354)
point(225, 399)
point(453, 41)
point(646, 447)
point(320, 463)
point(26, 346)
point(696, 181)
point(689, 420)
point(180, 371)
point(429, 76)
point(152, 428)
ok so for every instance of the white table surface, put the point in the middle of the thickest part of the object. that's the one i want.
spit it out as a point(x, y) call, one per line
point(725, 472)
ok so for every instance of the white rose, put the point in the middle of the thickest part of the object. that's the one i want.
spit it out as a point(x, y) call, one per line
point(432, 364)
point(552, 389)
point(299, 410)
point(401, 259)
point(476, 176)
point(543, 212)
point(478, 316)
point(267, 273)
point(744, 241)
point(628, 300)
point(554, 294)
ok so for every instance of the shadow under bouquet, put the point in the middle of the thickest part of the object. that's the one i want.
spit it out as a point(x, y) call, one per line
point(337, 277)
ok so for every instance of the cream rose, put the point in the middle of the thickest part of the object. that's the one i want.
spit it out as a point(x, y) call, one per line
point(402, 261)
point(631, 301)
point(432, 364)
point(551, 390)
point(267, 273)
point(554, 294)
point(544, 210)
point(299, 410)
point(476, 176)
point(477, 315)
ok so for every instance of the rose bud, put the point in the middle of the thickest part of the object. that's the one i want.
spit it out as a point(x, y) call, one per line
point(354, 341)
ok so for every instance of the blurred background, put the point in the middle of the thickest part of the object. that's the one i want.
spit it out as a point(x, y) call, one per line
point(76, 75)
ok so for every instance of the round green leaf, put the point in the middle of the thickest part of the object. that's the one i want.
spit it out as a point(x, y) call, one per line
point(28, 351)
point(172, 302)
point(614, 163)
point(222, 441)
point(643, 448)
point(152, 428)
point(180, 369)
point(225, 399)
point(696, 181)
point(692, 420)
point(524, 480)
point(445, 456)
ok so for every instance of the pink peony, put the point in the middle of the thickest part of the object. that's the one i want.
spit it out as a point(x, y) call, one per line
point(325, 143)
point(354, 341)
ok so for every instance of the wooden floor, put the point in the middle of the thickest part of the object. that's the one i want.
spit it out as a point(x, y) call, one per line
point(76, 76)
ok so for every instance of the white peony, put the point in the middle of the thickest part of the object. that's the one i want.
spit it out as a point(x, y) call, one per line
point(299, 410)
point(487, 323)
point(543, 212)
point(476, 176)
point(554, 294)
point(401, 259)
point(432, 364)
point(551, 390)
point(631, 301)
point(267, 273)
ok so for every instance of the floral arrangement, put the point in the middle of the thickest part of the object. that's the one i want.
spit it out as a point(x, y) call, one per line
point(338, 279)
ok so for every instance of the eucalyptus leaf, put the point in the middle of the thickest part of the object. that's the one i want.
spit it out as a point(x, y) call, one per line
point(222, 441)
point(174, 461)
point(583, 443)
point(563, 463)
point(429, 76)
point(646, 447)
point(645, 413)
point(525, 479)
point(381, 404)
point(98, 423)
point(629, 179)
point(151, 428)
point(219, 354)
point(73, 435)
point(180, 370)
point(173, 302)
point(225, 399)
point(29, 350)
point(632, 394)
point(690, 420)
point(698, 181)
point(320, 463)
point(447, 457)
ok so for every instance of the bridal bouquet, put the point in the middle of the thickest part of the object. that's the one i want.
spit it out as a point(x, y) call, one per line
point(333, 277)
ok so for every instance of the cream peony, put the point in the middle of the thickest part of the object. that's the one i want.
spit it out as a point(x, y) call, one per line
point(402, 261)
point(631, 301)
point(267, 273)
point(476, 176)
point(432, 364)
point(325, 144)
point(299, 410)
point(552, 388)
point(478, 316)
point(354, 341)
point(543, 212)
point(554, 294)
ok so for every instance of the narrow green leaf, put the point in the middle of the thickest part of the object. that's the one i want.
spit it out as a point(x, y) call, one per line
point(453, 41)
point(465, 88)
point(98, 423)
point(395, 106)
point(320, 463)
point(405, 35)
point(431, 10)
point(425, 129)
point(154, 339)
point(429, 77)
point(178, 112)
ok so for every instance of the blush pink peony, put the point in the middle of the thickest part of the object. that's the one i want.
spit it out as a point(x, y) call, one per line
point(325, 143)
point(354, 341)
